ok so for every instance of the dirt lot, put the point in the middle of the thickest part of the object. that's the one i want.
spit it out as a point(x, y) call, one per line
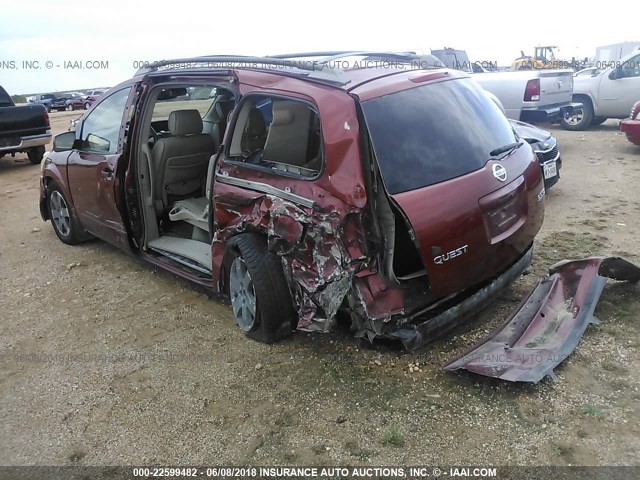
point(106, 361)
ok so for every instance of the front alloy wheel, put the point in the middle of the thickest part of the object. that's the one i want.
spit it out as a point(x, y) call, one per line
point(60, 214)
point(61, 217)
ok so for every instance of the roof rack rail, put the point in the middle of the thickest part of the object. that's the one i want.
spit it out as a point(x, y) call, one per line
point(324, 58)
point(310, 70)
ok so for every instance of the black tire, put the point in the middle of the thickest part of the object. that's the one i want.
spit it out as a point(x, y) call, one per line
point(70, 236)
point(35, 155)
point(580, 119)
point(598, 121)
point(87, 105)
point(48, 108)
point(70, 107)
point(274, 313)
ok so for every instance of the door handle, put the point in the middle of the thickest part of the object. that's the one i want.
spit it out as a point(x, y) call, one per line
point(107, 173)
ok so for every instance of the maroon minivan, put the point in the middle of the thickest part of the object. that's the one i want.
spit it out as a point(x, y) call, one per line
point(391, 193)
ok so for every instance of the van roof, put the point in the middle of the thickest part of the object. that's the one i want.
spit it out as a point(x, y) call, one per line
point(341, 69)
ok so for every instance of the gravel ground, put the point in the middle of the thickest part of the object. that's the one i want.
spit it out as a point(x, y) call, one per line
point(105, 360)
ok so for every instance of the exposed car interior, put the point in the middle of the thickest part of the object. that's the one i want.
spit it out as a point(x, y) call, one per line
point(279, 134)
point(186, 127)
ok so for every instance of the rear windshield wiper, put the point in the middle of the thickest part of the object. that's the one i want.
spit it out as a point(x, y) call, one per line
point(504, 149)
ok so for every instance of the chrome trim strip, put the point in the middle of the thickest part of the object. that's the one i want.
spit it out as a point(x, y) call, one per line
point(265, 188)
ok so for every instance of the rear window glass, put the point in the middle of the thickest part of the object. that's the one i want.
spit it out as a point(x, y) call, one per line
point(434, 133)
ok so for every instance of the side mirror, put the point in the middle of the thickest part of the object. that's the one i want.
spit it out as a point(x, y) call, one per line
point(616, 73)
point(98, 143)
point(64, 141)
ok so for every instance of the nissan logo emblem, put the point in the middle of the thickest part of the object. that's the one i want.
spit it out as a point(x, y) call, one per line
point(499, 172)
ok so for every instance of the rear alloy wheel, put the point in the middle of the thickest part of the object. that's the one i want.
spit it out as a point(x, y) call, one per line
point(259, 294)
point(243, 295)
point(579, 119)
point(35, 155)
point(61, 216)
point(70, 107)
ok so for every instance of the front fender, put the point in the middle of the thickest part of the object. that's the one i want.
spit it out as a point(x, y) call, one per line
point(54, 169)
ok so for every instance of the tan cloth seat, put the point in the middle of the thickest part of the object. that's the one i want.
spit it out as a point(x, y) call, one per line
point(196, 210)
point(288, 137)
point(180, 161)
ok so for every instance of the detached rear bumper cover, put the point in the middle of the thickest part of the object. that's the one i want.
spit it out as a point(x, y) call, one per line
point(549, 323)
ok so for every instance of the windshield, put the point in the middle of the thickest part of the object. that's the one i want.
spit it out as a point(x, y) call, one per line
point(5, 99)
point(435, 132)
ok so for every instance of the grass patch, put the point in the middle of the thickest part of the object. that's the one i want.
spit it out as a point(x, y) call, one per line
point(358, 452)
point(592, 411)
point(393, 436)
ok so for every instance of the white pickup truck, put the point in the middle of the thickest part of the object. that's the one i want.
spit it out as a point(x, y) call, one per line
point(527, 95)
point(608, 93)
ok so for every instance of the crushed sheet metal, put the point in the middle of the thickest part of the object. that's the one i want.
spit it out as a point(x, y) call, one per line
point(549, 323)
point(316, 248)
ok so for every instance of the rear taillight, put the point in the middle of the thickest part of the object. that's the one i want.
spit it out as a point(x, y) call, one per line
point(635, 111)
point(47, 122)
point(532, 90)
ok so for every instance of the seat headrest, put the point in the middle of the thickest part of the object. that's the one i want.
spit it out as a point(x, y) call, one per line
point(185, 122)
point(285, 112)
point(281, 116)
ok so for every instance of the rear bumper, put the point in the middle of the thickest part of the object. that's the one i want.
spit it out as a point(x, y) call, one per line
point(28, 142)
point(549, 323)
point(548, 113)
point(414, 331)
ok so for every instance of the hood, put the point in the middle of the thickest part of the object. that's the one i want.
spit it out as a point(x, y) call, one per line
point(530, 133)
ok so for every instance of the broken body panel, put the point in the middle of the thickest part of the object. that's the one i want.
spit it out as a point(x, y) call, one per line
point(549, 323)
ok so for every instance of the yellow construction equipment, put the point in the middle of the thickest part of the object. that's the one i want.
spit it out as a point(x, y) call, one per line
point(543, 57)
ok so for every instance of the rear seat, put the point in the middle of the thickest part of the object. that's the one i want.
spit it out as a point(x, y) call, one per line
point(195, 211)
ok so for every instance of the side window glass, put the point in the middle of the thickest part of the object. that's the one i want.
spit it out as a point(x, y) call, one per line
point(277, 133)
point(101, 129)
point(631, 68)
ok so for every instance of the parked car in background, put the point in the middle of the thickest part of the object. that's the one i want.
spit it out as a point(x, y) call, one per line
point(314, 190)
point(45, 99)
point(543, 144)
point(527, 95)
point(631, 126)
point(23, 129)
point(588, 72)
point(91, 96)
point(74, 101)
point(608, 94)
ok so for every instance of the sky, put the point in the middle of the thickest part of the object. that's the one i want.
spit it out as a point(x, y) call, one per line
point(90, 44)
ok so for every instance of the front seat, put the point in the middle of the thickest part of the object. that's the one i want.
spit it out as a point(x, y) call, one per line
point(181, 160)
point(223, 107)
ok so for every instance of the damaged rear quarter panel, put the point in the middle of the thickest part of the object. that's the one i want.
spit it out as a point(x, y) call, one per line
point(321, 246)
